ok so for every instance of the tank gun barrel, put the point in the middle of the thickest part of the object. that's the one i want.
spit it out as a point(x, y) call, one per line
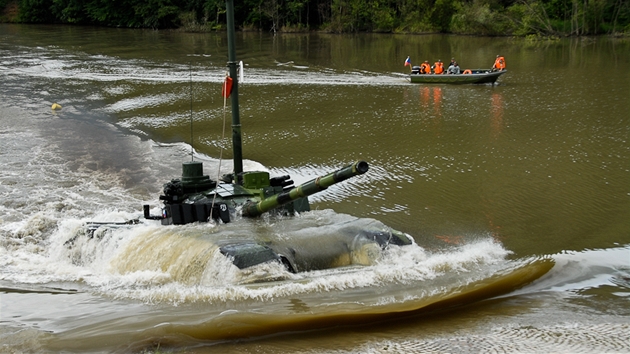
point(304, 190)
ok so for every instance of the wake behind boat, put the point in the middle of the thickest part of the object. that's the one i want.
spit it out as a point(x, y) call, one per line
point(477, 76)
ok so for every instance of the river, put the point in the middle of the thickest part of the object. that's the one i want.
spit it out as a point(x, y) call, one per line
point(517, 194)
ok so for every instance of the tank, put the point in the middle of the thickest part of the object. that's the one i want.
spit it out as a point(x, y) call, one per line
point(195, 198)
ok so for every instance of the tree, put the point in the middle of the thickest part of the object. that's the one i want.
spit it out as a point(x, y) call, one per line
point(36, 11)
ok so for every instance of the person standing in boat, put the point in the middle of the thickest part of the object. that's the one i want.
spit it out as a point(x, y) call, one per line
point(499, 63)
point(438, 67)
point(425, 68)
point(453, 69)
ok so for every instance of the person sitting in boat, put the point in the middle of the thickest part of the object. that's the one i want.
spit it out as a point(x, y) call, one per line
point(453, 69)
point(499, 64)
point(425, 68)
point(438, 67)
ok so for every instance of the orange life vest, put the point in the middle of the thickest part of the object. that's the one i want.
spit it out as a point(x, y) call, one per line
point(499, 63)
point(439, 68)
point(425, 68)
point(467, 71)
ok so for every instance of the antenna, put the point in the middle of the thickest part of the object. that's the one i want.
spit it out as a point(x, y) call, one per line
point(191, 114)
point(236, 119)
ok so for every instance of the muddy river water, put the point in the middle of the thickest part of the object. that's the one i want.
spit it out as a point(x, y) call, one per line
point(517, 194)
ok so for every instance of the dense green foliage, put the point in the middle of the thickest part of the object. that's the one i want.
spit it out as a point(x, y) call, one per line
point(485, 17)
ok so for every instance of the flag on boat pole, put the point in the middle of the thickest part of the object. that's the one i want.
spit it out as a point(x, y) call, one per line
point(408, 62)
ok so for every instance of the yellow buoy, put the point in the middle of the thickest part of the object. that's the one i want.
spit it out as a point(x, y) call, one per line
point(56, 106)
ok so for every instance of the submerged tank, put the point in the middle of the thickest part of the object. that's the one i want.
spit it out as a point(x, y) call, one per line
point(196, 198)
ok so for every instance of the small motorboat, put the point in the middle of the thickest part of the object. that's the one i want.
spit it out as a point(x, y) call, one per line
point(476, 76)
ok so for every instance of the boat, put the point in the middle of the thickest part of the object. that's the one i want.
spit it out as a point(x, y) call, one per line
point(196, 198)
point(477, 76)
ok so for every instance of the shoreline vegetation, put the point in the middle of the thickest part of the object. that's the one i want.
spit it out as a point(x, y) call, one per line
point(533, 19)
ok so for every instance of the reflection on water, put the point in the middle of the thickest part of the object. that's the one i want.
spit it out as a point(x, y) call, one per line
point(437, 100)
point(518, 185)
point(431, 97)
point(425, 96)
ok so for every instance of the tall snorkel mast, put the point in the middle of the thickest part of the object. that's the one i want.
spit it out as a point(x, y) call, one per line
point(232, 64)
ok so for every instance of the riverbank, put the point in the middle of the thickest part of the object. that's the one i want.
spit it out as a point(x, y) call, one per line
point(533, 17)
point(9, 13)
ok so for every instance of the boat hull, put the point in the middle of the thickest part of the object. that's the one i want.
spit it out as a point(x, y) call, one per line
point(478, 76)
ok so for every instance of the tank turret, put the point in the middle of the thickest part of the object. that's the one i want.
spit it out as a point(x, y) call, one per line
point(196, 198)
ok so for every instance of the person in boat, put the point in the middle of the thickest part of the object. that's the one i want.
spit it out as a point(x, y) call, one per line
point(438, 67)
point(425, 68)
point(499, 64)
point(453, 68)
